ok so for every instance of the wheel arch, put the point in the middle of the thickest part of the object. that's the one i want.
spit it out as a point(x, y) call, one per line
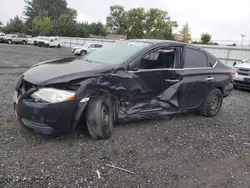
point(81, 108)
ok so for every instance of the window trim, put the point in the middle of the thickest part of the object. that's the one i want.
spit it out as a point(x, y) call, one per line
point(173, 69)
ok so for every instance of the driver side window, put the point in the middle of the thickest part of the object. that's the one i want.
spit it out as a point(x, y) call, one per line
point(164, 58)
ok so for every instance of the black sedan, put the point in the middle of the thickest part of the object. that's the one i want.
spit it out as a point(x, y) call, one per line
point(126, 80)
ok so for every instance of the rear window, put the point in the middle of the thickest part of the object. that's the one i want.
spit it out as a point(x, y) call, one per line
point(116, 53)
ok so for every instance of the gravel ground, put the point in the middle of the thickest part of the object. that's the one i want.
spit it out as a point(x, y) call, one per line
point(180, 151)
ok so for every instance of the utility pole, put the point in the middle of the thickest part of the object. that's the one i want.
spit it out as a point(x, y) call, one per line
point(242, 37)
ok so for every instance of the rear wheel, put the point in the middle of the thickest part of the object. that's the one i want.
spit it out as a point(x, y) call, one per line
point(212, 104)
point(9, 41)
point(23, 42)
point(99, 117)
point(58, 46)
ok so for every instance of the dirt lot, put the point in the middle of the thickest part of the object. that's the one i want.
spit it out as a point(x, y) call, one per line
point(182, 151)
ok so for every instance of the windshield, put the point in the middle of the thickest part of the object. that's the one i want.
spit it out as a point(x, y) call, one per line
point(116, 53)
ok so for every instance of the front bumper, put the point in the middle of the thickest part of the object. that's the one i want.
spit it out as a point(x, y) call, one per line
point(46, 118)
point(77, 52)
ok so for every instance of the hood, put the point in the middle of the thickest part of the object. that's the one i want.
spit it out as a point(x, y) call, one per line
point(243, 65)
point(64, 70)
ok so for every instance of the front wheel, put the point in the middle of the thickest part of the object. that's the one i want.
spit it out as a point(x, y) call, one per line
point(99, 117)
point(9, 41)
point(83, 53)
point(212, 104)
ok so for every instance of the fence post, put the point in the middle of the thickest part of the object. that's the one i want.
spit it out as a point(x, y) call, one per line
point(228, 52)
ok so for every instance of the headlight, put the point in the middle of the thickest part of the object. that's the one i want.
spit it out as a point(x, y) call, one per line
point(53, 95)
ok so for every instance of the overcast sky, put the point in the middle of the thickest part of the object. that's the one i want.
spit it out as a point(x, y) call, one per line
point(223, 19)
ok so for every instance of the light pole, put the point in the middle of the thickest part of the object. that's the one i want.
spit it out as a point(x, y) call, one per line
point(242, 37)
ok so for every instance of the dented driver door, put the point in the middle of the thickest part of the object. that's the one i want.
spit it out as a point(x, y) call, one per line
point(155, 90)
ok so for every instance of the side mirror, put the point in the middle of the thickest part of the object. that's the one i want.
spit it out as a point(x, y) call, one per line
point(234, 63)
point(52, 40)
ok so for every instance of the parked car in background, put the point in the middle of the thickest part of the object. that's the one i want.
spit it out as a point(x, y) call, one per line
point(125, 80)
point(30, 40)
point(86, 48)
point(48, 42)
point(2, 36)
point(242, 75)
point(18, 38)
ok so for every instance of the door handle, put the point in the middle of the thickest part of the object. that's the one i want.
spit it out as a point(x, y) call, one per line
point(172, 80)
point(209, 78)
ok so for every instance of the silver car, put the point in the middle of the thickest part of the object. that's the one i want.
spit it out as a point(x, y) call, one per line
point(86, 48)
point(18, 38)
point(242, 75)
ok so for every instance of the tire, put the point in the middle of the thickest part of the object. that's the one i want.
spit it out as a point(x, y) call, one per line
point(58, 46)
point(24, 42)
point(99, 117)
point(9, 41)
point(83, 53)
point(212, 104)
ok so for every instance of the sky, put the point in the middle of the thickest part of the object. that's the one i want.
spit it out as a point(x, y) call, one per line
point(223, 19)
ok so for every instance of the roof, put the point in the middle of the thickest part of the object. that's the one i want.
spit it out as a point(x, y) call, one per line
point(155, 41)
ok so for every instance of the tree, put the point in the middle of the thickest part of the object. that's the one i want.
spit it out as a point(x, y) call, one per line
point(136, 23)
point(116, 20)
point(82, 30)
point(64, 26)
point(15, 25)
point(41, 24)
point(158, 24)
point(1, 23)
point(97, 29)
point(206, 38)
point(54, 9)
point(184, 34)
point(135, 18)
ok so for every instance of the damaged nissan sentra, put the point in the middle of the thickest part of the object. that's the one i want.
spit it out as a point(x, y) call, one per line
point(125, 80)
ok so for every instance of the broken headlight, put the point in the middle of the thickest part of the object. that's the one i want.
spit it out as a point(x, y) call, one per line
point(52, 95)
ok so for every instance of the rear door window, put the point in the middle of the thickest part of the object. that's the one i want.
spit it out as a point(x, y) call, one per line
point(98, 45)
point(195, 59)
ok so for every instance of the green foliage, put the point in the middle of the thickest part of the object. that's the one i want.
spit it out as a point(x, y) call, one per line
point(1, 23)
point(64, 26)
point(116, 20)
point(15, 25)
point(138, 23)
point(97, 29)
point(135, 18)
point(41, 25)
point(54, 9)
point(82, 30)
point(206, 38)
point(158, 24)
point(53, 17)
point(184, 34)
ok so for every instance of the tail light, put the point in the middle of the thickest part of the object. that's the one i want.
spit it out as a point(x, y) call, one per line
point(232, 75)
